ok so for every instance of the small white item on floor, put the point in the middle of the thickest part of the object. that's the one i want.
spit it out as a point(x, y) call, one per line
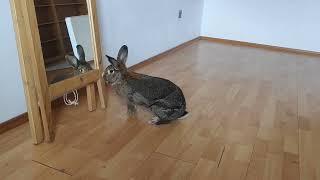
point(75, 100)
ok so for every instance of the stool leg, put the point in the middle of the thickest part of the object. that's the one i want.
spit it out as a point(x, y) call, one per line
point(91, 97)
point(102, 93)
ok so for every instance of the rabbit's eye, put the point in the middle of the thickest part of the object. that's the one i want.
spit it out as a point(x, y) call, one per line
point(111, 71)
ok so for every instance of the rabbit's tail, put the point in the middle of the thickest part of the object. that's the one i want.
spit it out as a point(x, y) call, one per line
point(184, 115)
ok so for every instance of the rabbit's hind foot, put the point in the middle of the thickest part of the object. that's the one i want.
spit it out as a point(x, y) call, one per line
point(154, 120)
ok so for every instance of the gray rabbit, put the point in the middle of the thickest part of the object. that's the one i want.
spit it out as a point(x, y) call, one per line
point(161, 96)
point(80, 65)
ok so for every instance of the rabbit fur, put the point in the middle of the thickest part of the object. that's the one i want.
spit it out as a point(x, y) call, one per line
point(161, 96)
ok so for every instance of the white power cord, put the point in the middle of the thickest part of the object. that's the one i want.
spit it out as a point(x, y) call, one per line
point(75, 100)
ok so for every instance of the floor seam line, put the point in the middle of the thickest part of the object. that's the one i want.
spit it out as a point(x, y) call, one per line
point(224, 148)
point(61, 171)
point(251, 159)
point(176, 158)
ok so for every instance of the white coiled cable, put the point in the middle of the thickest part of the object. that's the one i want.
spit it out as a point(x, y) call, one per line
point(75, 100)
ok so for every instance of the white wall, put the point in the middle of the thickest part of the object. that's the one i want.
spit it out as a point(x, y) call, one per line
point(12, 101)
point(148, 27)
point(293, 24)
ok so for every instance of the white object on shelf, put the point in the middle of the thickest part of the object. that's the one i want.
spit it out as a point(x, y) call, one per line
point(80, 34)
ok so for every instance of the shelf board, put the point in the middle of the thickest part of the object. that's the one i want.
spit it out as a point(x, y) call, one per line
point(46, 23)
point(50, 23)
point(43, 5)
point(54, 39)
point(54, 59)
point(69, 4)
point(59, 4)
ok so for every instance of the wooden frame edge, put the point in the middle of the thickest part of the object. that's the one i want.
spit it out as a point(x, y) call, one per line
point(30, 91)
point(96, 41)
point(38, 67)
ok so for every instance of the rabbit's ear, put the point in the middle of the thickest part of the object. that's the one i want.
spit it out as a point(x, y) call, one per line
point(113, 62)
point(123, 54)
point(82, 56)
point(73, 61)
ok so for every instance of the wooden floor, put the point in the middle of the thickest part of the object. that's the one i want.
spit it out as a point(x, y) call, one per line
point(255, 114)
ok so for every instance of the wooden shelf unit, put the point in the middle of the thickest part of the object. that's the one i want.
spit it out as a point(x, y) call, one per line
point(53, 31)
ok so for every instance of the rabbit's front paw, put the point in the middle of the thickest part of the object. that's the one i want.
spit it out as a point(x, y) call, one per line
point(132, 111)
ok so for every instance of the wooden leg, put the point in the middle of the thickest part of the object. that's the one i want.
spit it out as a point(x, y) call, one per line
point(34, 116)
point(26, 72)
point(102, 93)
point(95, 37)
point(91, 97)
point(47, 119)
point(45, 109)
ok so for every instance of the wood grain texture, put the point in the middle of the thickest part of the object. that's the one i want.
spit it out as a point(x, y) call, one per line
point(91, 97)
point(76, 82)
point(35, 56)
point(26, 66)
point(254, 116)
